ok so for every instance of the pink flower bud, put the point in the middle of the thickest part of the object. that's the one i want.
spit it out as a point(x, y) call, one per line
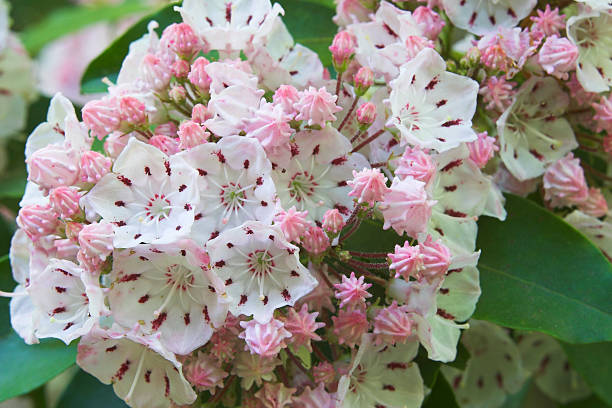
point(155, 72)
point(349, 326)
point(264, 339)
point(498, 93)
point(286, 96)
point(595, 204)
point(102, 116)
point(482, 149)
point(180, 68)
point(53, 166)
point(198, 75)
point(603, 114)
point(352, 291)
point(406, 207)
point(302, 326)
point(65, 248)
point(392, 325)
point(168, 145)
point(315, 240)
point(115, 143)
point(324, 373)
point(369, 186)
point(293, 223)
point(93, 166)
point(200, 114)
point(366, 114)
point(548, 21)
point(37, 221)
point(406, 261)
point(73, 230)
point(167, 129)
point(564, 182)
point(191, 135)
point(65, 201)
point(177, 94)
point(416, 44)
point(416, 164)
point(436, 259)
point(342, 49)
point(364, 79)
point(181, 39)
point(204, 372)
point(316, 106)
point(96, 242)
point(132, 110)
point(429, 21)
point(333, 221)
point(558, 56)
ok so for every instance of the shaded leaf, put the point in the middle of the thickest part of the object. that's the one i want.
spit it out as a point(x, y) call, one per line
point(85, 387)
point(592, 362)
point(442, 395)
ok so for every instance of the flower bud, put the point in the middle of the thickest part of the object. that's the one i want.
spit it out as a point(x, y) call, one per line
point(115, 143)
point(349, 326)
point(155, 72)
point(93, 166)
point(166, 129)
point(264, 339)
point(366, 115)
point(342, 49)
point(286, 96)
point(200, 114)
point(429, 21)
point(178, 94)
point(102, 116)
point(595, 205)
point(315, 240)
point(96, 241)
point(65, 248)
point(333, 221)
point(132, 110)
point(65, 201)
point(180, 68)
point(406, 261)
point(181, 39)
point(436, 259)
point(53, 166)
point(73, 230)
point(558, 56)
point(198, 75)
point(364, 78)
point(369, 186)
point(166, 144)
point(191, 135)
point(417, 164)
point(482, 149)
point(37, 221)
point(392, 325)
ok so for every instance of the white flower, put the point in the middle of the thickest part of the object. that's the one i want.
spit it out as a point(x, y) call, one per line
point(234, 184)
point(598, 231)
point(591, 32)
point(382, 375)
point(168, 289)
point(532, 132)
point(149, 197)
point(230, 25)
point(480, 17)
point(314, 177)
point(142, 372)
point(432, 108)
point(261, 270)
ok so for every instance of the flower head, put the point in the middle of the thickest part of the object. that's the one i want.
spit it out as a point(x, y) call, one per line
point(352, 291)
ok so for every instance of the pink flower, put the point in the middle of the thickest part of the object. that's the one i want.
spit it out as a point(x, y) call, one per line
point(180, 68)
point(102, 116)
point(65, 201)
point(366, 114)
point(603, 114)
point(37, 221)
point(405, 207)
point(302, 326)
point(166, 129)
point(558, 56)
point(392, 325)
point(132, 110)
point(333, 221)
point(198, 75)
point(316, 106)
point(364, 79)
point(200, 114)
point(352, 291)
point(204, 373)
point(181, 39)
point(293, 223)
point(497, 93)
point(415, 44)
point(270, 125)
point(53, 166)
point(93, 166)
point(482, 149)
point(435, 257)
point(342, 49)
point(264, 339)
point(315, 240)
point(429, 20)
point(286, 96)
point(178, 94)
point(191, 135)
point(564, 182)
point(416, 164)
point(578, 93)
point(155, 73)
point(369, 186)
point(349, 325)
point(351, 11)
point(548, 21)
point(315, 398)
point(595, 205)
point(96, 241)
point(168, 145)
point(406, 261)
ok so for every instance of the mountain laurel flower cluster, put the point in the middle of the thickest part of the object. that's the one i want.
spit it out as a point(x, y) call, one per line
point(208, 231)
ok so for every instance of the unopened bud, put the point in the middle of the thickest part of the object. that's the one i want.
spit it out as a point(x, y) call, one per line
point(364, 78)
point(366, 115)
point(180, 68)
point(178, 94)
point(342, 49)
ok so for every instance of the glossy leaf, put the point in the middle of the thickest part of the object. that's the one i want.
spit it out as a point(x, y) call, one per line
point(85, 387)
point(539, 273)
point(442, 395)
point(592, 362)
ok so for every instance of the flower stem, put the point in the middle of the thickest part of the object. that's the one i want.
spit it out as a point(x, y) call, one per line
point(348, 114)
point(338, 84)
point(368, 140)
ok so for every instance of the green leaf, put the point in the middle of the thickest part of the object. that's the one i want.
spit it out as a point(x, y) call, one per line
point(370, 237)
point(25, 367)
point(70, 19)
point(109, 62)
point(593, 362)
point(85, 387)
point(430, 369)
point(538, 273)
point(442, 395)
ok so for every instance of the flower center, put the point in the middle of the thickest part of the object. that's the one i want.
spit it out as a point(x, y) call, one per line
point(158, 207)
point(302, 185)
point(260, 263)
